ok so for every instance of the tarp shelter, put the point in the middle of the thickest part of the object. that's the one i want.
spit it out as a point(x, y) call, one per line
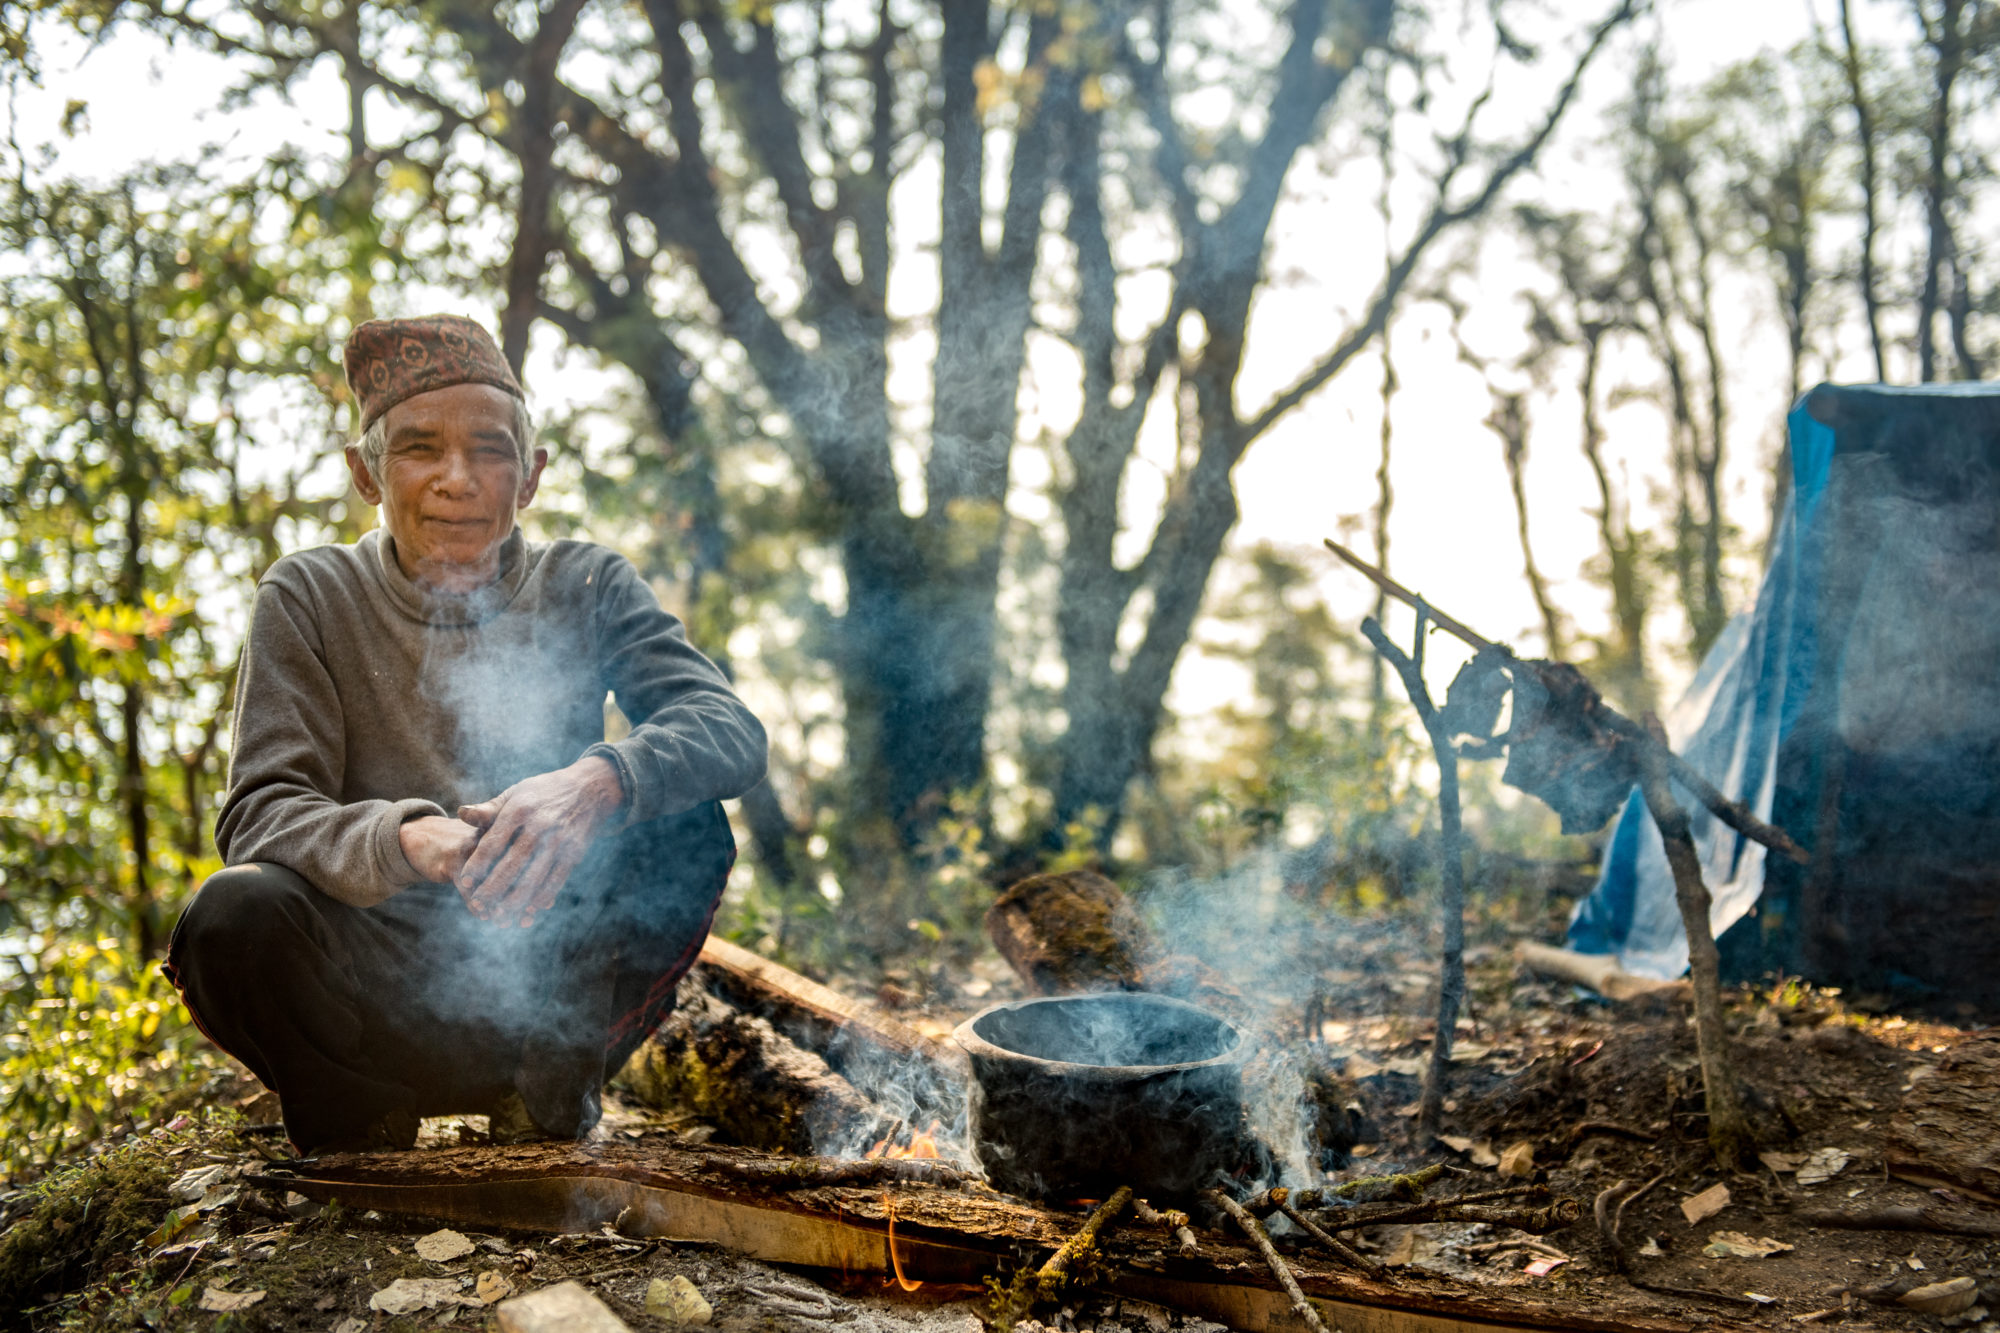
point(1858, 706)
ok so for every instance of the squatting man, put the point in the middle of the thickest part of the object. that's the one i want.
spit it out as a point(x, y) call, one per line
point(446, 892)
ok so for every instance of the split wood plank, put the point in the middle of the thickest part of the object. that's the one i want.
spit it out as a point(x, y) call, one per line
point(939, 1235)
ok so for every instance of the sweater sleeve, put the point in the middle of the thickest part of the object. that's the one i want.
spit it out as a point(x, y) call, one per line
point(692, 739)
point(286, 757)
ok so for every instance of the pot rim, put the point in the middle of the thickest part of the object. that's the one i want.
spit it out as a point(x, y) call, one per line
point(979, 1047)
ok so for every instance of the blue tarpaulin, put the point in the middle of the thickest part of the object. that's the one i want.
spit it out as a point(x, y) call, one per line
point(1858, 701)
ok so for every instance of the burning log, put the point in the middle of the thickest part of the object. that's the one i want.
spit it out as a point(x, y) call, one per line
point(754, 1085)
point(1071, 932)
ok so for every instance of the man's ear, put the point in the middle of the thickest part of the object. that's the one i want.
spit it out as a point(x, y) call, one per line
point(533, 480)
point(364, 482)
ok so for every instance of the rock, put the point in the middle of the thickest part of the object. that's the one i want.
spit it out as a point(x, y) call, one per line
point(1943, 1298)
point(441, 1247)
point(407, 1295)
point(678, 1301)
point(1698, 1208)
point(564, 1308)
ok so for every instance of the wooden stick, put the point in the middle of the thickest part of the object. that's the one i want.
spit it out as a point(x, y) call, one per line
point(1729, 1134)
point(1173, 1219)
point(1342, 1250)
point(1732, 813)
point(1254, 1229)
point(1900, 1218)
point(1451, 869)
point(1406, 1186)
point(1455, 628)
point(1049, 1281)
point(811, 1172)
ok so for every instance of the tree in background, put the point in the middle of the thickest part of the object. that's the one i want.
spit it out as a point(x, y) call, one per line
point(717, 199)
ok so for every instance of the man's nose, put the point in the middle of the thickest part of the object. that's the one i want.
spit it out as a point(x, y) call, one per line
point(455, 476)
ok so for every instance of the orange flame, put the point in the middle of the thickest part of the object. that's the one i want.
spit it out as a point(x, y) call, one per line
point(920, 1145)
point(895, 1262)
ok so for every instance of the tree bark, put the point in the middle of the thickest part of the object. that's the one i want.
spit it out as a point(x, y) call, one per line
point(1864, 134)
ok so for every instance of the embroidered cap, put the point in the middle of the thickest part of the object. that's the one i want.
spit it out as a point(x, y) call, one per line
point(389, 360)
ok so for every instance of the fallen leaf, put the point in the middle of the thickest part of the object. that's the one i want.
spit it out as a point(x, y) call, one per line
point(222, 1302)
point(1943, 1298)
point(443, 1246)
point(678, 1301)
point(1823, 1165)
point(191, 1185)
point(1480, 1151)
point(1698, 1208)
point(1518, 1159)
point(492, 1287)
point(1651, 1250)
point(1760, 1298)
point(1360, 1066)
point(407, 1295)
point(1784, 1163)
point(1543, 1267)
point(1469, 1050)
point(177, 1223)
point(1738, 1245)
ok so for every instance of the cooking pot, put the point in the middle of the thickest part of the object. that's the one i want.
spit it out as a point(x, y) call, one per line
point(1075, 1095)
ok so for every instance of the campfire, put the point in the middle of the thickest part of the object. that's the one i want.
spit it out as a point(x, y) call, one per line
point(1126, 1104)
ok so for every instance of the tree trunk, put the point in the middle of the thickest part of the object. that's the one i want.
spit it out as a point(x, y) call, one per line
point(1947, 45)
point(1864, 133)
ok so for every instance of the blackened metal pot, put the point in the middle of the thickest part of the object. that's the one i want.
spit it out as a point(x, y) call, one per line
point(1075, 1095)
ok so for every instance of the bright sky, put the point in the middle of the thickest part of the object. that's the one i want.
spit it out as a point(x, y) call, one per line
point(1453, 536)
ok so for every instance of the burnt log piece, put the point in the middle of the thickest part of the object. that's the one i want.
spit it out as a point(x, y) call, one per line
point(757, 1087)
point(1071, 932)
point(905, 1073)
point(1944, 1133)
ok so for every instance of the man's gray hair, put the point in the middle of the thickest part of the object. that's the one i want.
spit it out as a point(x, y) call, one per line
point(374, 442)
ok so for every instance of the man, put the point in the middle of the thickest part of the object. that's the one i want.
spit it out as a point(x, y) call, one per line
point(446, 891)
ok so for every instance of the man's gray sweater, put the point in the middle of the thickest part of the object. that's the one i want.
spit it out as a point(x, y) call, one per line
point(364, 701)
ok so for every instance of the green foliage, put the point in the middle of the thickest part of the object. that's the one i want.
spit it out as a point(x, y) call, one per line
point(90, 1042)
point(86, 1219)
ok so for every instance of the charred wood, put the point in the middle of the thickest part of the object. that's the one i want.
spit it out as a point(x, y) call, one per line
point(754, 1085)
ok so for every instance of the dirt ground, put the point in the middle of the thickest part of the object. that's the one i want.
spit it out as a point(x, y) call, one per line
point(1598, 1094)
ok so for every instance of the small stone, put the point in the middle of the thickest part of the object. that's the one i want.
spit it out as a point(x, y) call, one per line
point(678, 1301)
point(407, 1295)
point(441, 1247)
point(564, 1308)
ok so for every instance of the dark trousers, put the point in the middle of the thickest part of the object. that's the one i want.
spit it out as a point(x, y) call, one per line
point(415, 1006)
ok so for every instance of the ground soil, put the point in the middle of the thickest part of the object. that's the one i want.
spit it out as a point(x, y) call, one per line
point(1534, 1061)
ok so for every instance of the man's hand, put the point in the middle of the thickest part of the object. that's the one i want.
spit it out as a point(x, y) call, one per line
point(436, 847)
point(532, 836)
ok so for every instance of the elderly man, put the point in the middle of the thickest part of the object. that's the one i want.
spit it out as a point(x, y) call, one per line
point(446, 891)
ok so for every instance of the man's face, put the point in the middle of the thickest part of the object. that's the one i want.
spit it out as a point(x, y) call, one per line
point(451, 482)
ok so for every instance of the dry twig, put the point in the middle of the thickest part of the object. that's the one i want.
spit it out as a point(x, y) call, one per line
point(1254, 1229)
point(1346, 1253)
point(810, 1172)
point(1173, 1219)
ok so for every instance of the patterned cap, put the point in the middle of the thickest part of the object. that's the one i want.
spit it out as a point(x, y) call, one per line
point(389, 360)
